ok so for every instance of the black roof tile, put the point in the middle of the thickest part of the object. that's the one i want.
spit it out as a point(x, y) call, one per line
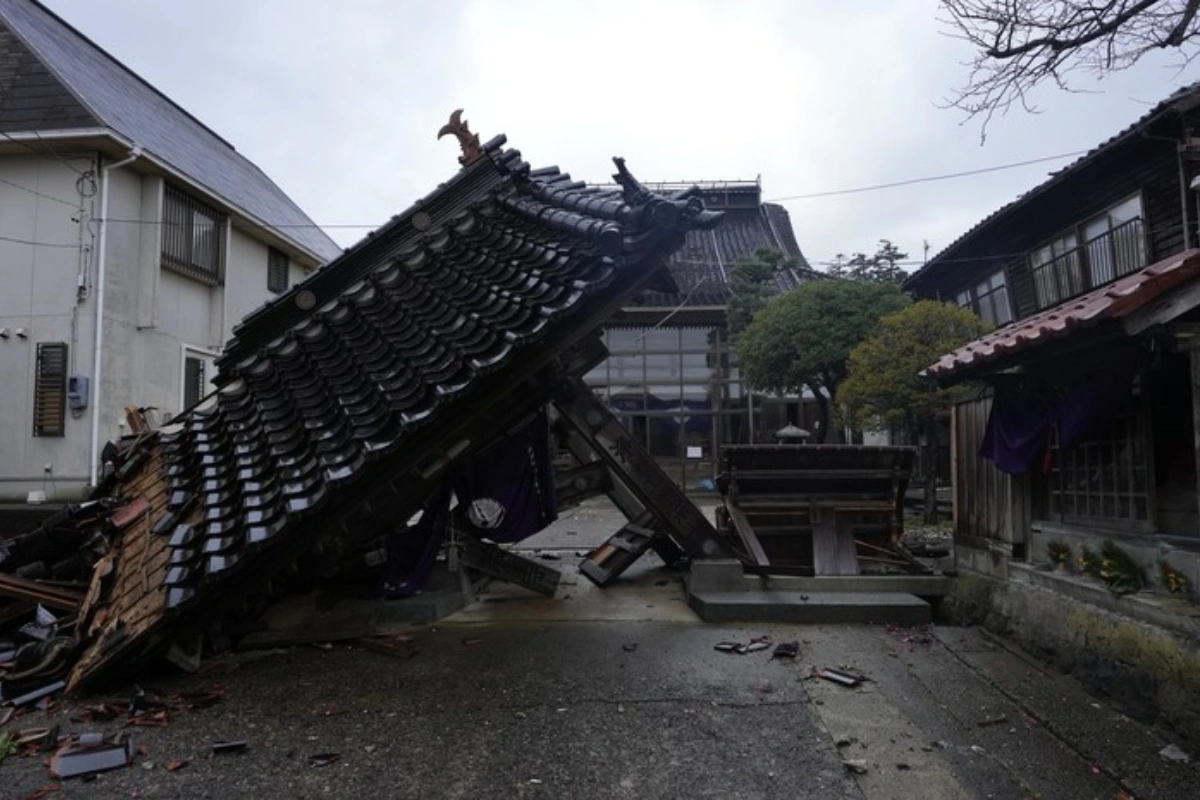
point(412, 328)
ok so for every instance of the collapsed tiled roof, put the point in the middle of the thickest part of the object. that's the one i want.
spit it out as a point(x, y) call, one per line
point(1114, 301)
point(119, 100)
point(1182, 99)
point(342, 403)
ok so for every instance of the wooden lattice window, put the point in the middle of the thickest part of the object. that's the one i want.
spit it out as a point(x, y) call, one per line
point(193, 381)
point(193, 239)
point(277, 270)
point(50, 390)
point(1107, 478)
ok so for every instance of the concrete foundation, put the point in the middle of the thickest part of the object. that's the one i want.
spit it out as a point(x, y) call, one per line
point(1142, 651)
point(894, 608)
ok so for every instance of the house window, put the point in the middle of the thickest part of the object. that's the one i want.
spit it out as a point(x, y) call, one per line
point(1113, 244)
point(1116, 244)
point(193, 380)
point(1058, 270)
point(50, 390)
point(193, 241)
point(991, 300)
point(988, 299)
point(277, 270)
point(1106, 478)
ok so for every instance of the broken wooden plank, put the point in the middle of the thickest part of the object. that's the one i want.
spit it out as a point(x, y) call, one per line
point(499, 563)
point(637, 469)
point(20, 588)
point(745, 532)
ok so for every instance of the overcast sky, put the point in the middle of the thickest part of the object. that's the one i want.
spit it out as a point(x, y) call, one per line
point(340, 102)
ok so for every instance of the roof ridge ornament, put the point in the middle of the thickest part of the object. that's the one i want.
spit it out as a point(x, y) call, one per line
point(635, 193)
point(458, 127)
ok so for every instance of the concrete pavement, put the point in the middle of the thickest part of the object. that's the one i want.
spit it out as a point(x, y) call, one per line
point(619, 693)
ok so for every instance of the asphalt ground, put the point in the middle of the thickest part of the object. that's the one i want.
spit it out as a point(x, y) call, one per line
point(619, 693)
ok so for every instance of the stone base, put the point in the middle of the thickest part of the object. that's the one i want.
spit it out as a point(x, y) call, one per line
point(1137, 650)
point(895, 608)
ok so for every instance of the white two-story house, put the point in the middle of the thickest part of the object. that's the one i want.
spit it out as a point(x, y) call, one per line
point(132, 240)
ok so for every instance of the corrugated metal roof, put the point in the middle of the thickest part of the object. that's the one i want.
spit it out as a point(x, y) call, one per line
point(1179, 100)
point(1113, 301)
point(132, 108)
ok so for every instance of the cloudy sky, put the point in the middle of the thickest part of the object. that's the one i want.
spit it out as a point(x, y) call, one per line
point(340, 102)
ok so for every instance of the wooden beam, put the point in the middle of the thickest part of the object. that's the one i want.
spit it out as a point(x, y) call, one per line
point(638, 470)
point(20, 588)
point(745, 532)
point(1168, 306)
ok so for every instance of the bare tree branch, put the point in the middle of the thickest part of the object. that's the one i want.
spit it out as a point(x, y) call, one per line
point(1020, 44)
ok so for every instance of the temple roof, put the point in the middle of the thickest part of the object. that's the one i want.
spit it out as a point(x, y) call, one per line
point(343, 401)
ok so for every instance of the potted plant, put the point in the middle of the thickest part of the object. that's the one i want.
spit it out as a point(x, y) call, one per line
point(1060, 554)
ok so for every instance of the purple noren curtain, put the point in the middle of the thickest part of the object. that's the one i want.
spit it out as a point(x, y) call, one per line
point(1020, 424)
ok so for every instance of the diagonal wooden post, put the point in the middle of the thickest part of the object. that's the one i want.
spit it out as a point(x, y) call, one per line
point(638, 471)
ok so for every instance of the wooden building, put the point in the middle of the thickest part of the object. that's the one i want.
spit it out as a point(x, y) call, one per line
point(1081, 426)
point(671, 377)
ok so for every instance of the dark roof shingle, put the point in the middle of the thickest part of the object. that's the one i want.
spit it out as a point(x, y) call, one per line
point(345, 389)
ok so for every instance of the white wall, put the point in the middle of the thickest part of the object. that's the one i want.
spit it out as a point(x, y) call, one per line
point(41, 200)
point(151, 315)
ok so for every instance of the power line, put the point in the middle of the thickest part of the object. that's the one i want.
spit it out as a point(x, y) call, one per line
point(39, 244)
point(927, 178)
point(73, 206)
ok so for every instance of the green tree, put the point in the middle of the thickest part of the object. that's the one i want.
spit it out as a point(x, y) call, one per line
point(882, 267)
point(802, 339)
point(752, 283)
point(884, 388)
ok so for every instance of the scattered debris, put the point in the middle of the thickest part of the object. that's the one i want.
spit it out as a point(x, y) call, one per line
point(195, 701)
point(46, 790)
point(857, 766)
point(176, 764)
point(472, 640)
point(76, 758)
point(1172, 754)
point(323, 759)
point(839, 677)
point(37, 694)
point(758, 643)
point(220, 748)
point(985, 723)
point(755, 644)
point(400, 646)
point(903, 767)
point(786, 650)
point(630, 647)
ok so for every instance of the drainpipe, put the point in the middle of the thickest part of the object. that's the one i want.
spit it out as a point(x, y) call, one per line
point(97, 360)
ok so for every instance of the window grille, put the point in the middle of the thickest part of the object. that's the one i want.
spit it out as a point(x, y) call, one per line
point(277, 271)
point(193, 381)
point(50, 390)
point(193, 240)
